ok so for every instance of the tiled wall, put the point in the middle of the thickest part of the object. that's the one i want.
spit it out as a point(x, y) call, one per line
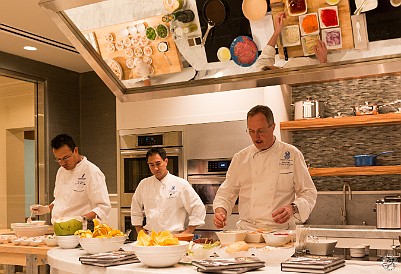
point(336, 147)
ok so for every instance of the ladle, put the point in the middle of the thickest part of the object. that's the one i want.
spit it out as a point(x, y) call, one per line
point(29, 220)
point(210, 25)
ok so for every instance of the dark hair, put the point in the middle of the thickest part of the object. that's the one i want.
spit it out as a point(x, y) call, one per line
point(265, 110)
point(62, 140)
point(156, 150)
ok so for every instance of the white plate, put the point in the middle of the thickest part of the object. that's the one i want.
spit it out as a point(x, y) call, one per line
point(301, 19)
point(321, 11)
point(369, 4)
point(294, 31)
point(332, 44)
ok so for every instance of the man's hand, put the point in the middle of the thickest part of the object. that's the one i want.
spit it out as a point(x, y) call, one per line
point(279, 22)
point(321, 52)
point(220, 217)
point(39, 209)
point(283, 214)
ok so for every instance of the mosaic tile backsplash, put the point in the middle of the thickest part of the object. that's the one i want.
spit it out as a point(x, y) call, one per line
point(336, 147)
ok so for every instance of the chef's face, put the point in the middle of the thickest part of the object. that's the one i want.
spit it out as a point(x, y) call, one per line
point(260, 131)
point(66, 158)
point(157, 166)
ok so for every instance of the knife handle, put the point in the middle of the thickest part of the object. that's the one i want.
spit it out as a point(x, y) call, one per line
point(285, 53)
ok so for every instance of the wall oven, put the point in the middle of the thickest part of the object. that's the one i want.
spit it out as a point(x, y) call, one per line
point(133, 164)
point(206, 176)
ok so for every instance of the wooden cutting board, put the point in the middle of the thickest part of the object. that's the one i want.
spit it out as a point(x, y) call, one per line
point(159, 62)
point(313, 6)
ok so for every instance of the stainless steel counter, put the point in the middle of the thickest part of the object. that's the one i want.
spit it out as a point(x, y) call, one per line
point(353, 231)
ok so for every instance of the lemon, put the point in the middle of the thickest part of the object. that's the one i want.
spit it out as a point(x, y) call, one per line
point(223, 54)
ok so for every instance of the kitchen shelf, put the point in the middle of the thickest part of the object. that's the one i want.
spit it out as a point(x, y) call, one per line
point(355, 171)
point(341, 122)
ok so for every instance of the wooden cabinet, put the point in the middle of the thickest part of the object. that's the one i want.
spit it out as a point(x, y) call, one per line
point(341, 122)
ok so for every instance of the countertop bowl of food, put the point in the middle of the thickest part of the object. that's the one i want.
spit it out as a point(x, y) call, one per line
point(202, 251)
point(68, 242)
point(277, 238)
point(184, 237)
point(101, 245)
point(50, 240)
point(273, 255)
point(231, 236)
point(28, 229)
point(161, 256)
point(254, 237)
point(234, 250)
point(321, 247)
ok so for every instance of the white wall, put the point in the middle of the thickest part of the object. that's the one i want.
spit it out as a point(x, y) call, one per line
point(203, 108)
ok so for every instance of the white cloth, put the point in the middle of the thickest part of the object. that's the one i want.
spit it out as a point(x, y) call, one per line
point(265, 181)
point(166, 204)
point(267, 58)
point(80, 191)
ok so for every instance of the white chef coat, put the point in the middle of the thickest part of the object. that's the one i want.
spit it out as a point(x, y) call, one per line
point(166, 204)
point(267, 58)
point(265, 181)
point(80, 191)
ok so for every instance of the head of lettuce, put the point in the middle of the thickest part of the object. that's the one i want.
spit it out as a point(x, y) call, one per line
point(67, 226)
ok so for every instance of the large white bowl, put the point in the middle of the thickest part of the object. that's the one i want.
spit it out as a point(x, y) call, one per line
point(323, 247)
point(277, 238)
point(229, 237)
point(254, 237)
point(29, 230)
point(160, 256)
point(201, 252)
point(225, 255)
point(100, 245)
point(273, 255)
point(67, 242)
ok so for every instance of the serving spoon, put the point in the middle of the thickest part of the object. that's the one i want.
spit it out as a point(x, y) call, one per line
point(29, 220)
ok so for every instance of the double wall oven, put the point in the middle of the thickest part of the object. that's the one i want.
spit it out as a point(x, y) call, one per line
point(134, 167)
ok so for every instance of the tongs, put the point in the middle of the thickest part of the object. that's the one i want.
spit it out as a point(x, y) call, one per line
point(359, 9)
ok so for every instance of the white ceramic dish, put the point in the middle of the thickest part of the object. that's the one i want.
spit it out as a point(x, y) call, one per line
point(273, 255)
point(199, 252)
point(332, 2)
point(160, 256)
point(254, 237)
point(291, 36)
point(302, 18)
point(322, 247)
point(357, 251)
point(67, 242)
point(308, 43)
point(276, 238)
point(29, 230)
point(224, 254)
point(288, 3)
point(228, 237)
point(369, 4)
point(101, 245)
point(322, 22)
point(332, 38)
point(50, 240)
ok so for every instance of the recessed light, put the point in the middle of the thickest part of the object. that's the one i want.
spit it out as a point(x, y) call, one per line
point(30, 48)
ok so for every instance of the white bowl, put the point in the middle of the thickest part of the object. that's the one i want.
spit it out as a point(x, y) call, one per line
point(25, 242)
point(161, 256)
point(50, 241)
point(229, 237)
point(29, 230)
point(357, 251)
point(67, 242)
point(201, 252)
point(38, 222)
point(35, 242)
point(254, 237)
point(273, 255)
point(323, 247)
point(225, 255)
point(101, 245)
point(277, 238)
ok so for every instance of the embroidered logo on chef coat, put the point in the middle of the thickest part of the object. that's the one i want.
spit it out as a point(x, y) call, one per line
point(172, 193)
point(286, 160)
point(80, 184)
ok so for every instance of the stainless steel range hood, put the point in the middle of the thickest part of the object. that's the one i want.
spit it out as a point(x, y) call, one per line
point(58, 10)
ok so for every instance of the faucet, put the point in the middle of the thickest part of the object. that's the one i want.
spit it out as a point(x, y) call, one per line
point(346, 187)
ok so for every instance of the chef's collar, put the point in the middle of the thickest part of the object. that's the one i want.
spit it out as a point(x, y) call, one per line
point(266, 149)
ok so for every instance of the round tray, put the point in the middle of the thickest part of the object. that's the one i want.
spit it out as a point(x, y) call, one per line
point(244, 51)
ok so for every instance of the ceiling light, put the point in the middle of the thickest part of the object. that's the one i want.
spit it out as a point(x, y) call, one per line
point(30, 48)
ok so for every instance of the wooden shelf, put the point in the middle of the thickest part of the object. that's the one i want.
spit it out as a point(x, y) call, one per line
point(355, 171)
point(340, 122)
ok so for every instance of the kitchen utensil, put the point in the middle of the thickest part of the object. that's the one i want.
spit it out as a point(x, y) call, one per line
point(244, 51)
point(280, 37)
point(29, 220)
point(254, 9)
point(358, 29)
point(163, 47)
point(308, 109)
point(359, 9)
point(388, 212)
point(366, 109)
point(368, 159)
point(215, 12)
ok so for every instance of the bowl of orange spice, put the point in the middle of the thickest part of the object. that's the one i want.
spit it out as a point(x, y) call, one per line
point(309, 24)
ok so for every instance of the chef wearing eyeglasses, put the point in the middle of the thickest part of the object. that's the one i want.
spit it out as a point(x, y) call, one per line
point(270, 178)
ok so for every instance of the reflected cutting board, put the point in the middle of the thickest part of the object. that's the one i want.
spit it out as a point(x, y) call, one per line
point(313, 6)
point(159, 62)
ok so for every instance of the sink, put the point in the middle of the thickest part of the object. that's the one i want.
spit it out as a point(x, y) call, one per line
point(344, 226)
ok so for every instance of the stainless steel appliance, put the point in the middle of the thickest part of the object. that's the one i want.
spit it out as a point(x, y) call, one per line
point(134, 167)
point(308, 109)
point(206, 176)
point(388, 212)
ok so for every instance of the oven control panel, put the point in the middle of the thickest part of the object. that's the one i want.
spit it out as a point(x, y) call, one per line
point(150, 140)
point(218, 166)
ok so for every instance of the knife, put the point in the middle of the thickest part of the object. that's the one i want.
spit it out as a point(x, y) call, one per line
point(284, 48)
point(277, 7)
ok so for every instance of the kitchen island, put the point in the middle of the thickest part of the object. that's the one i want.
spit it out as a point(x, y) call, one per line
point(64, 261)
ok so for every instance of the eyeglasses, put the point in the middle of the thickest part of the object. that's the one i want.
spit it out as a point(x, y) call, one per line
point(64, 159)
point(259, 131)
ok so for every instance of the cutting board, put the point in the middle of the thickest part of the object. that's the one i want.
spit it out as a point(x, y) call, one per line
point(159, 62)
point(313, 6)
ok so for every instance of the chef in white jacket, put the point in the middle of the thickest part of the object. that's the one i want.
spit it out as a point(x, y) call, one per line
point(80, 188)
point(270, 178)
point(168, 202)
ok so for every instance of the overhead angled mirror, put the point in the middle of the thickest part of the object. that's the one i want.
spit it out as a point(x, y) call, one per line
point(159, 48)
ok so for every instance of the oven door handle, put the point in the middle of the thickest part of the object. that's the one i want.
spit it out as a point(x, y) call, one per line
point(207, 177)
point(126, 212)
point(135, 153)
